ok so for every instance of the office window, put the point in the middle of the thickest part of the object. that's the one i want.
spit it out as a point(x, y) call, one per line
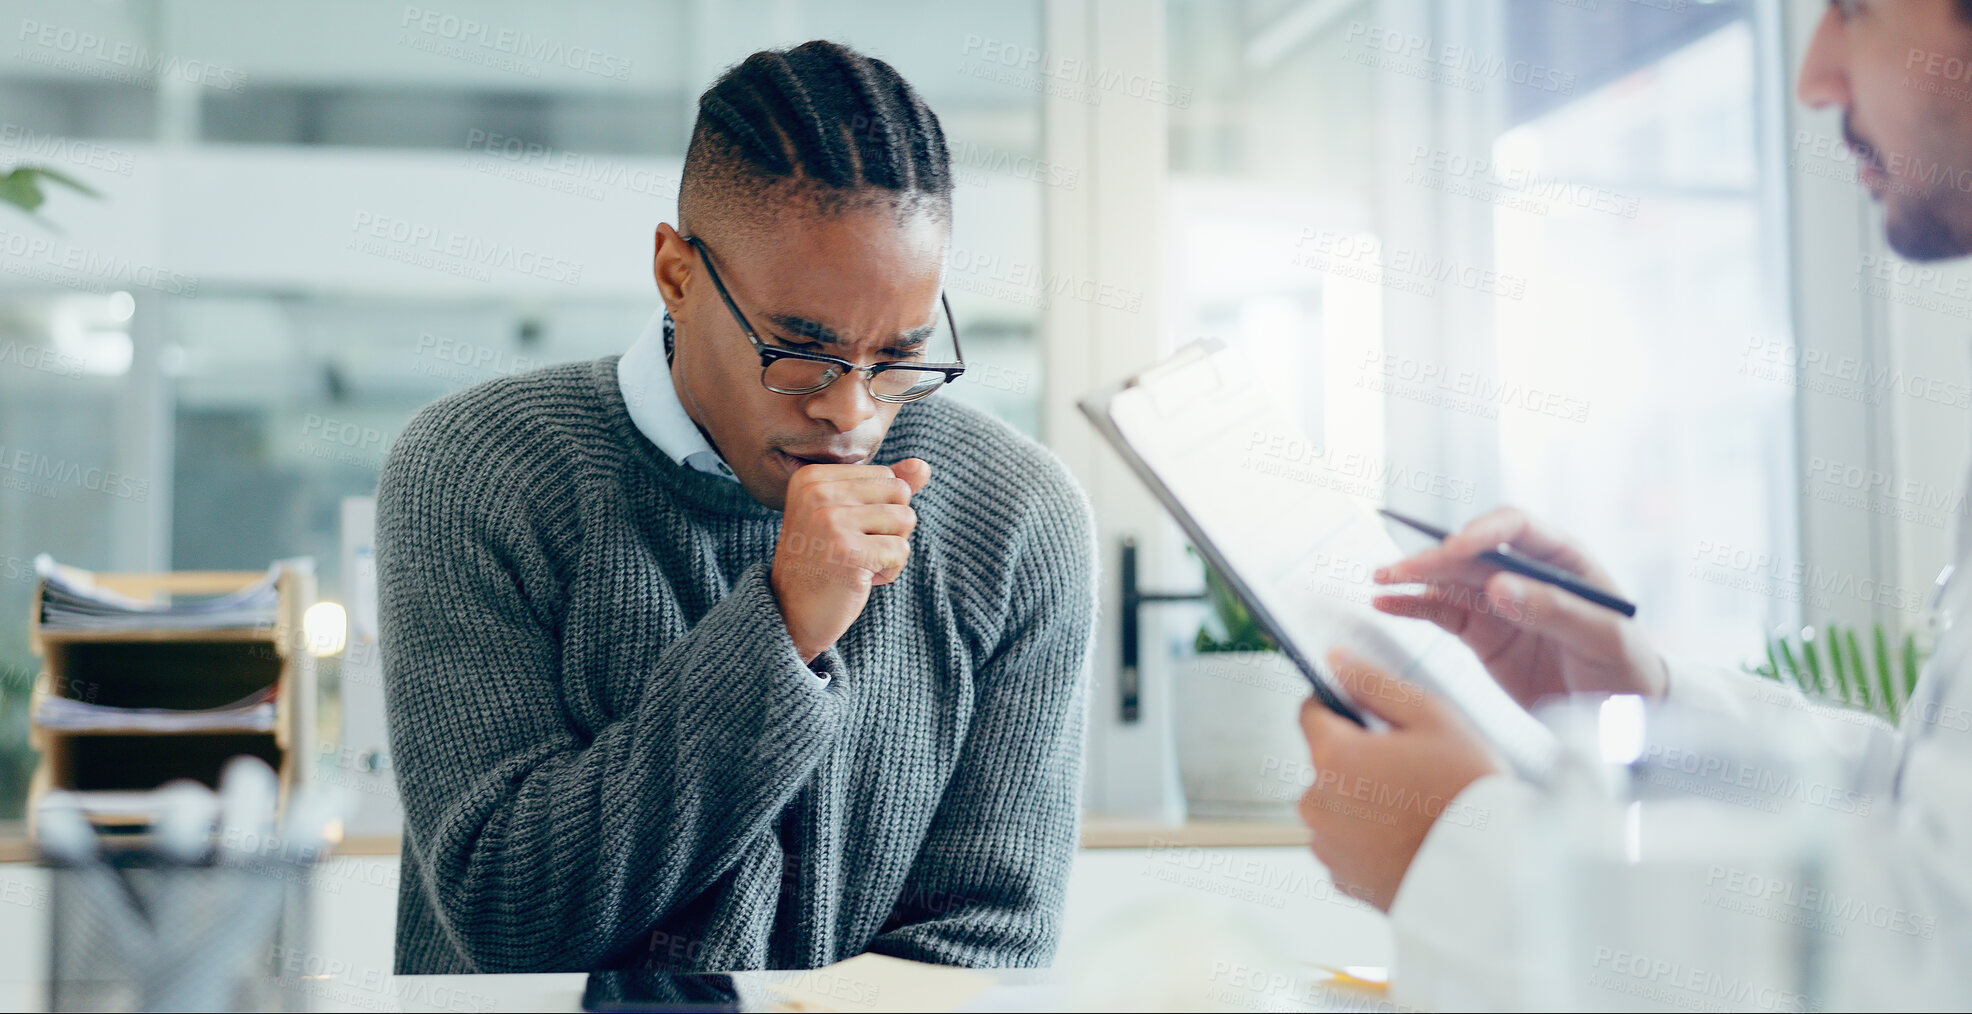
point(1528, 251)
point(1656, 423)
point(1273, 211)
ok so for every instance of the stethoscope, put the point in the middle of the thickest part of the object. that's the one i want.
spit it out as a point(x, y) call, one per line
point(1938, 618)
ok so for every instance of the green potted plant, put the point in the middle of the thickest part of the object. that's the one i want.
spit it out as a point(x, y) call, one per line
point(1829, 665)
point(1239, 746)
point(1230, 627)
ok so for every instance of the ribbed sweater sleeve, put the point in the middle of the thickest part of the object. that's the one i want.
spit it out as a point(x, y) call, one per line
point(541, 844)
point(986, 888)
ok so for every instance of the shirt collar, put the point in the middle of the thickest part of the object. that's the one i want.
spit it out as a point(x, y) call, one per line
point(644, 375)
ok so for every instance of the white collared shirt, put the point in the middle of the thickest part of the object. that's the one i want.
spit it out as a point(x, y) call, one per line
point(644, 375)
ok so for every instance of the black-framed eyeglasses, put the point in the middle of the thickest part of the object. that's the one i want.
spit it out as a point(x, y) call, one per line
point(793, 371)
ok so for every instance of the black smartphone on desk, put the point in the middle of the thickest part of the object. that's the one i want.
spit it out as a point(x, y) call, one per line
point(659, 991)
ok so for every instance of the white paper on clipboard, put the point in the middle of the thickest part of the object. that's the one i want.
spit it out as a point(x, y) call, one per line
point(1293, 531)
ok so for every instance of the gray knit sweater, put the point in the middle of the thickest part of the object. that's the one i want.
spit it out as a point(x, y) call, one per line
point(609, 753)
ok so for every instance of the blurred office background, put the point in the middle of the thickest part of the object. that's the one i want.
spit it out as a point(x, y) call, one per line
point(1588, 257)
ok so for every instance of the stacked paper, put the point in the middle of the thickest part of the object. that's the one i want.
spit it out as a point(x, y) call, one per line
point(253, 713)
point(71, 600)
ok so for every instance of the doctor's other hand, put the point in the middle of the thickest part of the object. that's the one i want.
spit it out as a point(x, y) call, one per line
point(1537, 640)
point(1377, 794)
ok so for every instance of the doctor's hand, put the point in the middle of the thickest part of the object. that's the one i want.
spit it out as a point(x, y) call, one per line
point(1377, 794)
point(1537, 640)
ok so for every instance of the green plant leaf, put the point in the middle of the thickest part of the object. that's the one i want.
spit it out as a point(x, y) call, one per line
point(1813, 658)
point(1910, 665)
point(1794, 668)
point(1886, 676)
point(1773, 665)
point(1237, 629)
point(68, 181)
point(22, 186)
point(1863, 692)
point(1836, 665)
point(1847, 677)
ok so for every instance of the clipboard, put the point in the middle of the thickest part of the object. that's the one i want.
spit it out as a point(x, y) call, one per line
point(1290, 525)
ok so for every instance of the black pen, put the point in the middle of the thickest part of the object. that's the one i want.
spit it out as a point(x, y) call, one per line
point(1505, 558)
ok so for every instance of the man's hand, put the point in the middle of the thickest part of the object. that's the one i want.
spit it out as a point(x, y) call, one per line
point(845, 530)
point(1537, 640)
point(1377, 794)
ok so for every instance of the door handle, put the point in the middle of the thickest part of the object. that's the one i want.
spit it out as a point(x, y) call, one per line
point(1129, 685)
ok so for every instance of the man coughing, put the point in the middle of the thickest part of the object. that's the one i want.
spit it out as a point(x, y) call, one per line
point(743, 649)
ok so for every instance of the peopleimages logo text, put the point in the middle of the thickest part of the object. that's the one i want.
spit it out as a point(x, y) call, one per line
point(1471, 65)
point(141, 64)
point(49, 472)
point(507, 42)
point(24, 143)
point(446, 248)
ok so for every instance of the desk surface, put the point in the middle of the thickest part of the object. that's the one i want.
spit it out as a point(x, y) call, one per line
point(1022, 990)
point(1015, 990)
point(1175, 925)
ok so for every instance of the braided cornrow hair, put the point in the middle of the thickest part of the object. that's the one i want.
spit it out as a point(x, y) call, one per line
point(823, 119)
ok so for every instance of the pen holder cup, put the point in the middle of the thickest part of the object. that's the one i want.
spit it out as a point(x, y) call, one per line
point(135, 932)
